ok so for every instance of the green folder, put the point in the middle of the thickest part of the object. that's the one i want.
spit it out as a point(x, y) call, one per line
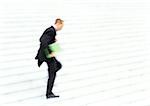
point(47, 53)
point(54, 47)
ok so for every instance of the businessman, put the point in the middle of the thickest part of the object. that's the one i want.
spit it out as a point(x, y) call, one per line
point(46, 54)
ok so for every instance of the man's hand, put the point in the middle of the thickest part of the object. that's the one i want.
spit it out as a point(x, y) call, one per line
point(52, 54)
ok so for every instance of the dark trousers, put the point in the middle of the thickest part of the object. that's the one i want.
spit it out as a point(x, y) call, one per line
point(51, 75)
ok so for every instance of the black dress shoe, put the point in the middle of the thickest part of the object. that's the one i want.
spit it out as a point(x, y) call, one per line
point(51, 96)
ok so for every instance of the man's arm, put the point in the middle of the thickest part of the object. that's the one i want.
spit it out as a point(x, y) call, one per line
point(47, 37)
point(49, 53)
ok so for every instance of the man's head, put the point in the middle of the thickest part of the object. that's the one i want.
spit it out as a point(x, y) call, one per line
point(59, 24)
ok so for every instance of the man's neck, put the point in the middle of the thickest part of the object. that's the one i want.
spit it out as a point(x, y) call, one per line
point(55, 27)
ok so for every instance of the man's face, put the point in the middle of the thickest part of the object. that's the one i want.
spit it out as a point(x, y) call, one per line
point(60, 26)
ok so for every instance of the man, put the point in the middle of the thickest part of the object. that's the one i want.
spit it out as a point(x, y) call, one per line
point(45, 54)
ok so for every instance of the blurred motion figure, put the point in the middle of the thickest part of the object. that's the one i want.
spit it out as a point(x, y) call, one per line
point(47, 54)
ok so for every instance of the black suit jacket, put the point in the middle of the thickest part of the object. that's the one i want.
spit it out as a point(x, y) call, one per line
point(48, 37)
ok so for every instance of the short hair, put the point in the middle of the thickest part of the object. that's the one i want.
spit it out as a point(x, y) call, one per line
point(58, 20)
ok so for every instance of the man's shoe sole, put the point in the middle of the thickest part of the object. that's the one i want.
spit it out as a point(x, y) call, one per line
point(52, 97)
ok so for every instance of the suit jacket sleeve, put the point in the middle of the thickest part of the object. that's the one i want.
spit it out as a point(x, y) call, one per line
point(47, 37)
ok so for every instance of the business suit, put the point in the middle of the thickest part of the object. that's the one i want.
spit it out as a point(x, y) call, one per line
point(47, 38)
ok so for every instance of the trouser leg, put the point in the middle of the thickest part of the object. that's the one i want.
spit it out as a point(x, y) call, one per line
point(50, 82)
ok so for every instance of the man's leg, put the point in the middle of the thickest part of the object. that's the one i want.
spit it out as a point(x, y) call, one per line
point(50, 82)
point(51, 79)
